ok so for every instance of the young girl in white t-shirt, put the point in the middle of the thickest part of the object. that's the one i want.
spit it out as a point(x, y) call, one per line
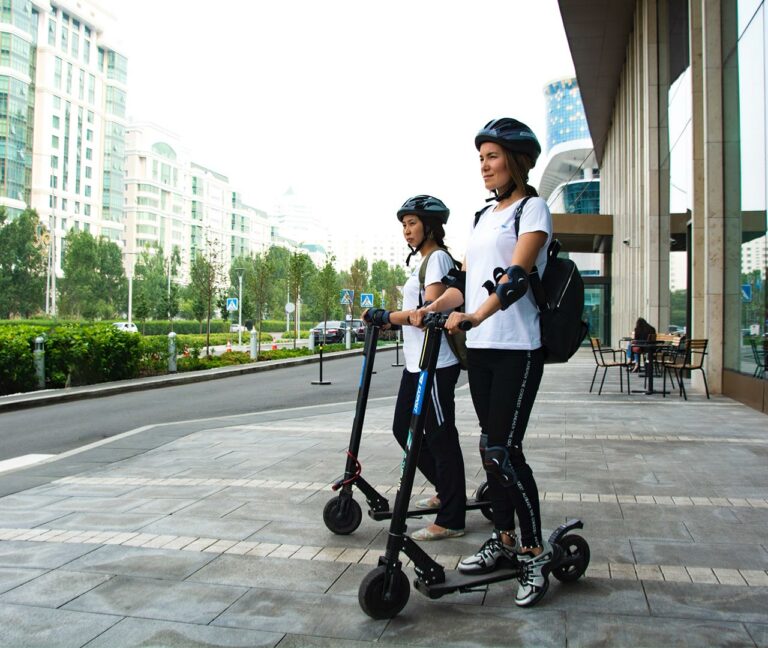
point(440, 460)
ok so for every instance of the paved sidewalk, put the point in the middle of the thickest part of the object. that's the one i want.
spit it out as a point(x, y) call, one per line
point(212, 535)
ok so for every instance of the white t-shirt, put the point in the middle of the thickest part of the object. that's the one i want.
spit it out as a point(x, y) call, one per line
point(438, 265)
point(491, 245)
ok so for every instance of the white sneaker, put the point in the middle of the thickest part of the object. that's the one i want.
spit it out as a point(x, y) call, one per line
point(488, 557)
point(534, 578)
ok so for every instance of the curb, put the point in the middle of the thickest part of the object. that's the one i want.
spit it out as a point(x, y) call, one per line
point(29, 400)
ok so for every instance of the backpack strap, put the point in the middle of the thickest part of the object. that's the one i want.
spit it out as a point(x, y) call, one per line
point(423, 271)
point(478, 214)
point(534, 280)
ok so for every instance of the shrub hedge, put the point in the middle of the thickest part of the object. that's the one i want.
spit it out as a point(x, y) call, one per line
point(80, 354)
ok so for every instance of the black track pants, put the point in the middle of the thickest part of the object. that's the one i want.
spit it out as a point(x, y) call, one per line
point(503, 385)
point(440, 459)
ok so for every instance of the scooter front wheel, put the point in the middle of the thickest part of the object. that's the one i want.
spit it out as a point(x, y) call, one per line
point(340, 521)
point(373, 597)
point(576, 552)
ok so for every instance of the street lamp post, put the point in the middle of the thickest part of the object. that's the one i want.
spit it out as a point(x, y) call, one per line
point(130, 287)
point(240, 307)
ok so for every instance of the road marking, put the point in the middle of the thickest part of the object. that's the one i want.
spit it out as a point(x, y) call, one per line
point(22, 461)
point(370, 556)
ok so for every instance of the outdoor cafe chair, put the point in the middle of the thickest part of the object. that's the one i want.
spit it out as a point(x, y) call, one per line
point(606, 358)
point(690, 358)
point(759, 354)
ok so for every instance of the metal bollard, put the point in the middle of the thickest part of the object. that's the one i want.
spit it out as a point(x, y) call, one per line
point(254, 355)
point(172, 352)
point(39, 356)
point(311, 341)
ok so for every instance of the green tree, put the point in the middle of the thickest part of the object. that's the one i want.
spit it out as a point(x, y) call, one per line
point(300, 271)
point(358, 275)
point(257, 283)
point(326, 289)
point(206, 279)
point(22, 264)
point(93, 285)
point(279, 260)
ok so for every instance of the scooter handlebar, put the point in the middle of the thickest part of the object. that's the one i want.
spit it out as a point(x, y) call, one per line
point(465, 325)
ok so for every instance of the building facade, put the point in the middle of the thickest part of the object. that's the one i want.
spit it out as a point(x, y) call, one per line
point(629, 58)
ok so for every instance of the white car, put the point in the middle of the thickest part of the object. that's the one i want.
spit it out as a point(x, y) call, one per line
point(126, 327)
point(234, 328)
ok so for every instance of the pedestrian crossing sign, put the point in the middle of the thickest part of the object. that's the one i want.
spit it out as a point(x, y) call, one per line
point(347, 296)
point(366, 300)
point(232, 304)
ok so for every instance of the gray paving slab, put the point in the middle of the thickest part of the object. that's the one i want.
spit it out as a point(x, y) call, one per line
point(138, 561)
point(759, 633)
point(54, 589)
point(130, 633)
point(708, 602)
point(105, 521)
point(274, 573)
point(11, 577)
point(24, 626)
point(588, 630)
point(728, 556)
point(441, 623)
point(29, 518)
point(300, 613)
point(186, 524)
point(40, 554)
point(158, 599)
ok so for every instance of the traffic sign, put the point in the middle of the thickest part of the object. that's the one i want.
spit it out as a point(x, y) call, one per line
point(232, 304)
point(366, 300)
point(347, 296)
point(746, 292)
point(290, 307)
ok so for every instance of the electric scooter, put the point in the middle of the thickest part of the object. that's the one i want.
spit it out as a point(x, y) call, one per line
point(342, 514)
point(385, 590)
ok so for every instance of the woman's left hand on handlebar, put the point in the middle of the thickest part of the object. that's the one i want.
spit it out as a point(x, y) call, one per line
point(455, 318)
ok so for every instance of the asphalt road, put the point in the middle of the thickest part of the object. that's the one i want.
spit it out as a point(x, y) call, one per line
point(57, 428)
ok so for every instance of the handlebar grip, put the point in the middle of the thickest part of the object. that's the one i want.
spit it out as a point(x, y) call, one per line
point(465, 325)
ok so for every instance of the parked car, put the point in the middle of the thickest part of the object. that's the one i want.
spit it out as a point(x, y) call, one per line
point(335, 331)
point(358, 329)
point(673, 329)
point(234, 328)
point(126, 327)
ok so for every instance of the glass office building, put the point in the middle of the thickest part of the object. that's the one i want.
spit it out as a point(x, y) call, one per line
point(565, 112)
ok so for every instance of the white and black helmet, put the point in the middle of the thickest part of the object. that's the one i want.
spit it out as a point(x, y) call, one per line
point(511, 134)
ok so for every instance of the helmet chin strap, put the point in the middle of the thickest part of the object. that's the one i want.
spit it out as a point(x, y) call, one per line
point(415, 250)
point(498, 197)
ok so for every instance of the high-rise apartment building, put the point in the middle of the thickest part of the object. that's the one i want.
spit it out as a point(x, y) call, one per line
point(62, 117)
point(173, 202)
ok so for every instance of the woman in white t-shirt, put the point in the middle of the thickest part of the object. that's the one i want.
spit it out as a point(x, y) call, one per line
point(504, 355)
point(440, 460)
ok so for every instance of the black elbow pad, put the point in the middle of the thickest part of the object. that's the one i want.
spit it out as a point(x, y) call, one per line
point(455, 279)
point(513, 289)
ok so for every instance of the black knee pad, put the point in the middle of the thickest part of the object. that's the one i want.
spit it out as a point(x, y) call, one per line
point(497, 463)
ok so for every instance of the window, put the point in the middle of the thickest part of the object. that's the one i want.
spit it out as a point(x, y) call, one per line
point(64, 204)
point(90, 117)
point(81, 87)
point(55, 141)
point(87, 190)
point(75, 45)
point(51, 31)
point(64, 38)
point(91, 88)
point(57, 73)
point(54, 182)
point(88, 154)
point(88, 172)
point(56, 101)
point(55, 121)
point(87, 209)
point(54, 161)
point(89, 135)
point(69, 78)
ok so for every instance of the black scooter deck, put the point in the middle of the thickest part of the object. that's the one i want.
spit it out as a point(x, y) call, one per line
point(456, 581)
point(472, 505)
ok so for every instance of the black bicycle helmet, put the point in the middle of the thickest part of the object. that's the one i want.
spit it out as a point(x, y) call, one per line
point(424, 207)
point(513, 135)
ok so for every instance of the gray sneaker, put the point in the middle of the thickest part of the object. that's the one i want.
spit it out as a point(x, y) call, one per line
point(493, 553)
point(534, 578)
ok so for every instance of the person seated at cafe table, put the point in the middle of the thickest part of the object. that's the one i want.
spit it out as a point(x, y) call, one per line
point(642, 333)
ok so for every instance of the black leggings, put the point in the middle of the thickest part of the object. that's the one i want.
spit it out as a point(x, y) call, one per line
point(503, 385)
point(440, 459)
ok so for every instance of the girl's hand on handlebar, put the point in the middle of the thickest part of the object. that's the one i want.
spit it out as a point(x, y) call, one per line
point(455, 319)
point(417, 317)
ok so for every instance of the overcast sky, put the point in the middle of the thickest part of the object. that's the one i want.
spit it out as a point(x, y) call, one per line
point(356, 105)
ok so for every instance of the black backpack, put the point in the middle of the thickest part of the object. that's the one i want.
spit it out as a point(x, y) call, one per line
point(559, 295)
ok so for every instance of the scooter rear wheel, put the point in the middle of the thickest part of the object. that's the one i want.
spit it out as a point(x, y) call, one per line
point(573, 546)
point(371, 594)
point(342, 523)
point(481, 495)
